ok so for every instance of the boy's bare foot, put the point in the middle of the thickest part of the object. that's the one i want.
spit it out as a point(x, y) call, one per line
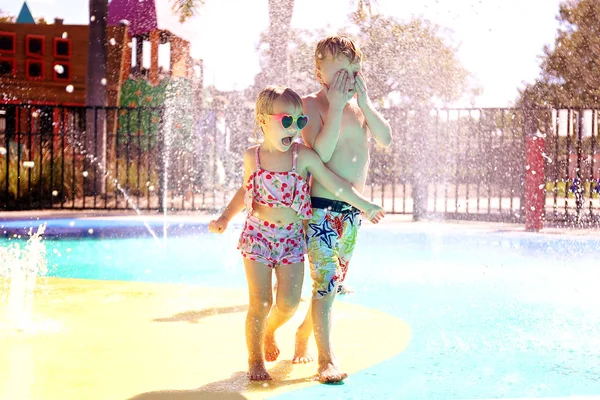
point(329, 373)
point(271, 349)
point(301, 354)
point(258, 372)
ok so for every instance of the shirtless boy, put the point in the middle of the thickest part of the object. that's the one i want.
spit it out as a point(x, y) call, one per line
point(341, 120)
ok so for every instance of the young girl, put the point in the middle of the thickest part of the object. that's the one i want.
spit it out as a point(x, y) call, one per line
point(276, 197)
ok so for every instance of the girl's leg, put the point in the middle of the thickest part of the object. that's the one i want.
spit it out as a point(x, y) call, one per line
point(305, 330)
point(289, 290)
point(260, 301)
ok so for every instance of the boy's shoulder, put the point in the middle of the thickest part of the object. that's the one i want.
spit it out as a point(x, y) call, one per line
point(311, 99)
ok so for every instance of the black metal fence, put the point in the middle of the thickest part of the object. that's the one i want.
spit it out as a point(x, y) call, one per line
point(443, 163)
point(572, 165)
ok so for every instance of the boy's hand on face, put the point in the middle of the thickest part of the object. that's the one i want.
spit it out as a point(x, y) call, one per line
point(362, 94)
point(340, 91)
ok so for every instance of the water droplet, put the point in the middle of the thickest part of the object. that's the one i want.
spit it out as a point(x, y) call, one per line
point(103, 81)
point(59, 69)
point(2, 150)
point(85, 174)
point(28, 164)
point(90, 231)
point(112, 41)
point(130, 45)
point(92, 18)
point(72, 223)
point(151, 188)
point(70, 88)
point(354, 159)
point(55, 193)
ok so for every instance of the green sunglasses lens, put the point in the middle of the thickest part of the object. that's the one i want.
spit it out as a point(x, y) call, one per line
point(302, 121)
point(286, 121)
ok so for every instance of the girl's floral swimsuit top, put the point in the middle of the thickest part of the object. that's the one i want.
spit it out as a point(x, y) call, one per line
point(279, 189)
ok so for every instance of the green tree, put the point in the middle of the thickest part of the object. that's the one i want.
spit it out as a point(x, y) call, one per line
point(410, 60)
point(570, 71)
point(6, 18)
point(185, 9)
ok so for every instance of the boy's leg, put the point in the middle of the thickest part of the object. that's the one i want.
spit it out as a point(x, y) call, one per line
point(289, 290)
point(321, 315)
point(260, 300)
point(323, 248)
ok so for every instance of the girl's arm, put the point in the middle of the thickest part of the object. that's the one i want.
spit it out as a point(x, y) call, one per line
point(236, 204)
point(340, 187)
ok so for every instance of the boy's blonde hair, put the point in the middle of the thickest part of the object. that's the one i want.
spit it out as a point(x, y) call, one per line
point(268, 96)
point(335, 46)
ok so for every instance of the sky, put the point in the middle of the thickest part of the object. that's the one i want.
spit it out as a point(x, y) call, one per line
point(499, 41)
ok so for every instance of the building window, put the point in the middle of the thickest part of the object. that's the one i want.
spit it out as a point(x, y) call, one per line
point(35, 45)
point(35, 69)
point(7, 67)
point(62, 71)
point(8, 42)
point(62, 48)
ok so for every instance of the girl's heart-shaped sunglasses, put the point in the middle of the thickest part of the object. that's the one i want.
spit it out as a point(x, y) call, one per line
point(287, 120)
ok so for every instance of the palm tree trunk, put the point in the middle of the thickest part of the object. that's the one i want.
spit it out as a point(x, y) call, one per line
point(280, 19)
point(96, 98)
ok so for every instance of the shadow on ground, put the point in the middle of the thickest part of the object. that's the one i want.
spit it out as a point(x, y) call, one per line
point(231, 388)
point(194, 316)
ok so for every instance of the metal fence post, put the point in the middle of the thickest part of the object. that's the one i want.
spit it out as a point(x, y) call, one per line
point(418, 156)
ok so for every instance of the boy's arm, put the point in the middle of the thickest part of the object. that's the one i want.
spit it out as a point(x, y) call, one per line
point(323, 138)
point(380, 128)
point(340, 187)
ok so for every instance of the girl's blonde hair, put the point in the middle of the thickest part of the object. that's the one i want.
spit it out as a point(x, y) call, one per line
point(267, 98)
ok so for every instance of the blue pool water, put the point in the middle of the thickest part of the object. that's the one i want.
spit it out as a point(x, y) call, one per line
point(492, 314)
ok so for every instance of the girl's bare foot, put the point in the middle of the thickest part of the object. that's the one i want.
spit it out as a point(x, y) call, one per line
point(301, 354)
point(271, 349)
point(258, 372)
point(329, 373)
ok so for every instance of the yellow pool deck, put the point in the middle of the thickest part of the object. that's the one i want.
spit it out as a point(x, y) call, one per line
point(92, 340)
point(115, 340)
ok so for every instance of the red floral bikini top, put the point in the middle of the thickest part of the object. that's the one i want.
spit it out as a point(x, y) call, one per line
point(279, 189)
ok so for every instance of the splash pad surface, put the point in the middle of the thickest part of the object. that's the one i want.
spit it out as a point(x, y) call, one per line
point(440, 311)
